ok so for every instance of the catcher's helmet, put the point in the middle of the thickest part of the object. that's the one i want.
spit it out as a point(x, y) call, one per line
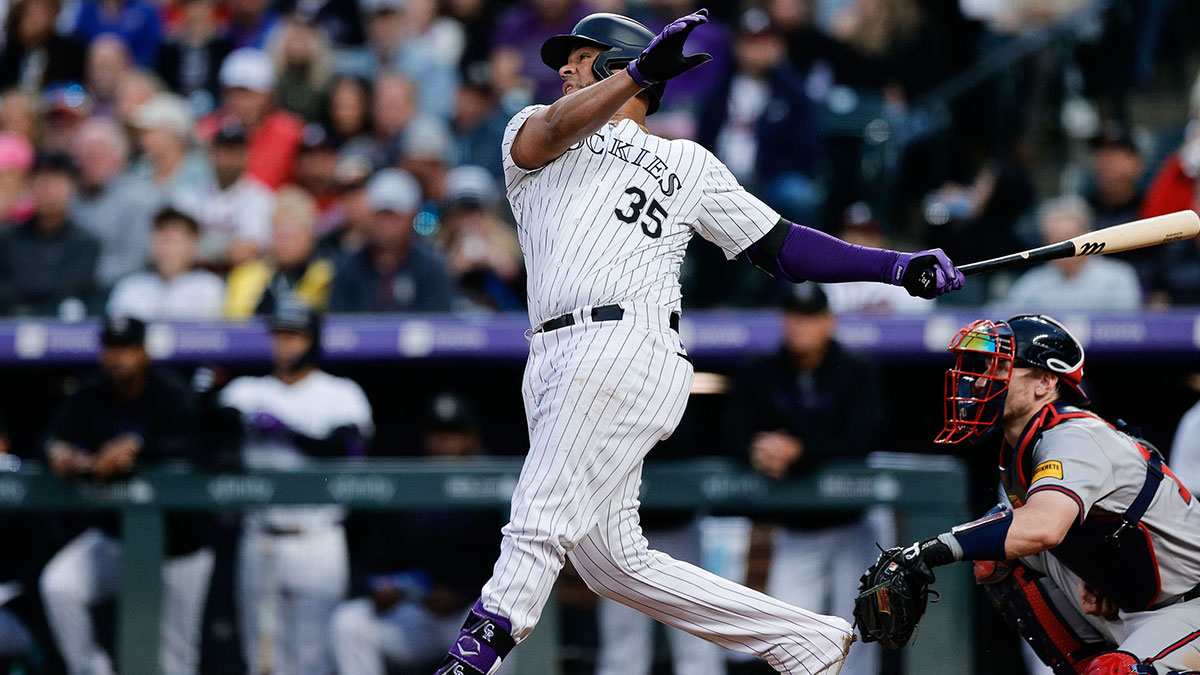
point(977, 385)
point(1042, 342)
point(622, 38)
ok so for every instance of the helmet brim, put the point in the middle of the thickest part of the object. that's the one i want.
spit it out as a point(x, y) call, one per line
point(557, 49)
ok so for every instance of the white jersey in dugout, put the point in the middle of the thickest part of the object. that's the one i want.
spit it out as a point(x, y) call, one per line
point(610, 219)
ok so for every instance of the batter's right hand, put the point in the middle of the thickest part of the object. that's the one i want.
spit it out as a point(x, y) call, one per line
point(926, 274)
point(663, 58)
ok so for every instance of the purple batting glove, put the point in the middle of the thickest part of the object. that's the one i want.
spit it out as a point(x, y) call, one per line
point(267, 425)
point(663, 58)
point(926, 274)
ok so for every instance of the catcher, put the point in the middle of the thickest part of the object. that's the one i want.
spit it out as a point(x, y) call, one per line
point(1094, 554)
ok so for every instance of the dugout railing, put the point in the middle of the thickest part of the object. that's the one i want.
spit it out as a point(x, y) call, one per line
point(927, 493)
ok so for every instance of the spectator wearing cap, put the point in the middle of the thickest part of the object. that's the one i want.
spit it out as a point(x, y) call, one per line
point(48, 263)
point(34, 55)
point(235, 219)
point(425, 151)
point(1089, 283)
point(315, 167)
point(761, 123)
point(481, 249)
point(396, 271)
point(108, 60)
point(410, 598)
point(1115, 186)
point(478, 122)
point(169, 166)
point(859, 226)
point(352, 215)
point(16, 159)
point(248, 86)
point(291, 270)
point(790, 413)
point(65, 107)
point(516, 59)
point(173, 289)
point(134, 22)
point(126, 417)
point(304, 61)
point(188, 62)
point(110, 204)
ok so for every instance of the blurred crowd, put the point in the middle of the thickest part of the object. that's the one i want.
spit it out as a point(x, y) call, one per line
point(204, 159)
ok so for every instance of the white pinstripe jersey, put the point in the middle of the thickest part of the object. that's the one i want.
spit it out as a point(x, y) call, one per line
point(610, 219)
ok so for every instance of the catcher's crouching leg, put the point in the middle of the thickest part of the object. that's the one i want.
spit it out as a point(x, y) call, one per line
point(484, 641)
point(1038, 612)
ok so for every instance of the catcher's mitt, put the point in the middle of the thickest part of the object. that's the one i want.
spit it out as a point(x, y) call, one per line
point(892, 597)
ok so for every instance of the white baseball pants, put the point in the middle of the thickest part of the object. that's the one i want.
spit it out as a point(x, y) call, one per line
point(598, 396)
point(627, 636)
point(288, 586)
point(85, 572)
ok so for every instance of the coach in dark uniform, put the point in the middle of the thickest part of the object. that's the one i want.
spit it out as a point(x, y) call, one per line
point(792, 412)
point(127, 416)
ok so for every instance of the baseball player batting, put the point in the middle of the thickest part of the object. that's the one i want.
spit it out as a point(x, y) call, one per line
point(605, 211)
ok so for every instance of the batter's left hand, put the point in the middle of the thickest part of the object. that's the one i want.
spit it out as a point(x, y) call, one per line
point(663, 58)
point(926, 274)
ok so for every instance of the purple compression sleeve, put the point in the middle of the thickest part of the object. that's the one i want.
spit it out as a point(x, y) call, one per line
point(809, 254)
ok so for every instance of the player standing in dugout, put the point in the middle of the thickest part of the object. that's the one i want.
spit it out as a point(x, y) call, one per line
point(605, 211)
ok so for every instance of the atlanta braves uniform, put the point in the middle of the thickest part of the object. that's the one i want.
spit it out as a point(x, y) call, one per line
point(1079, 455)
point(293, 566)
point(604, 228)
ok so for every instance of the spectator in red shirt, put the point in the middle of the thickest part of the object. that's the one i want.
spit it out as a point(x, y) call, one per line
point(248, 87)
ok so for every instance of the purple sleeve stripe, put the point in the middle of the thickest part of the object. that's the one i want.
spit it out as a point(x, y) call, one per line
point(809, 254)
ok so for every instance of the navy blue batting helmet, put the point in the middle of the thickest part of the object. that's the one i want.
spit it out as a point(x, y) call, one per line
point(621, 38)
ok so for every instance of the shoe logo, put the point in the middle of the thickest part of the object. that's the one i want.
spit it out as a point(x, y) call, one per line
point(467, 646)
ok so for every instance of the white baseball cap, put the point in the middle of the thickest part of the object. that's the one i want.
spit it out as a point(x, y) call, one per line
point(165, 111)
point(471, 186)
point(426, 138)
point(248, 68)
point(393, 190)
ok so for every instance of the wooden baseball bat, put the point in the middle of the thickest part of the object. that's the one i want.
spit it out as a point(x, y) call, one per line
point(1123, 237)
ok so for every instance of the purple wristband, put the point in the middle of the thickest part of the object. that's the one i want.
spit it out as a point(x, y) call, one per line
point(639, 79)
point(812, 255)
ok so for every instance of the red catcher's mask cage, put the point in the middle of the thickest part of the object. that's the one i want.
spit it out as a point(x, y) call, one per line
point(977, 384)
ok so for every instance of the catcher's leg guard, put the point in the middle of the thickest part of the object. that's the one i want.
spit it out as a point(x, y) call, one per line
point(1118, 663)
point(1024, 598)
point(484, 641)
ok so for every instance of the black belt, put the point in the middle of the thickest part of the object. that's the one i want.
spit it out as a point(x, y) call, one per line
point(601, 313)
point(1191, 595)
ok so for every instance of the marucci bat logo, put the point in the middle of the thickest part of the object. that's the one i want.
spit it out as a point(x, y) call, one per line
point(1091, 248)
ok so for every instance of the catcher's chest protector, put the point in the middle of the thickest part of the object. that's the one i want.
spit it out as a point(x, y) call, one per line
point(1112, 552)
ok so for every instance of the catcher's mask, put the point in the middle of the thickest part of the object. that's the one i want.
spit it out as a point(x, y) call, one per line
point(977, 384)
point(987, 352)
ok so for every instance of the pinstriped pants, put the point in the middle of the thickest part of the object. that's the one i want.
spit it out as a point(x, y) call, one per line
point(598, 396)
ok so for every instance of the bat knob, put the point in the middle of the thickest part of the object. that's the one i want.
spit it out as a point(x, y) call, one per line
point(927, 279)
